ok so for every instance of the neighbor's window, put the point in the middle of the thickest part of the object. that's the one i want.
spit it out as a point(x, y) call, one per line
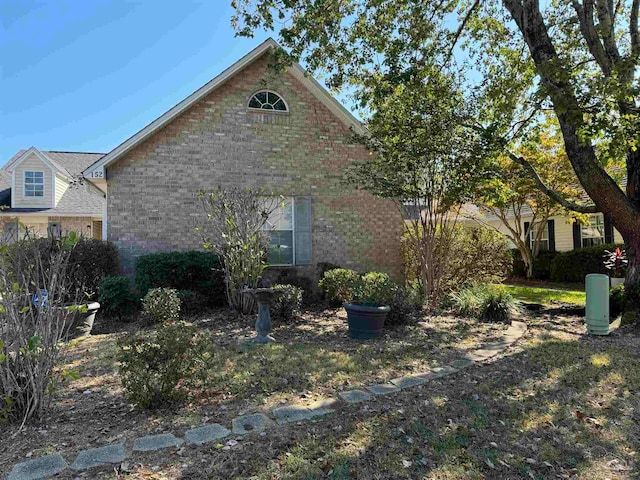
point(267, 100)
point(34, 184)
point(280, 226)
point(593, 233)
point(544, 238)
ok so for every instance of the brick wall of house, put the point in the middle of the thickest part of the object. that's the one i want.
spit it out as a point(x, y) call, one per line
point(152, 202)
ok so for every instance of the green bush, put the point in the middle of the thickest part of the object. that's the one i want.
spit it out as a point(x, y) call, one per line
point(374, 288)
point(289, 276)
point(485, 302)
point(192, 270)
point(89, 260)
point(542, 264)
point(518, 268)
point(497, 306)
point(287, 305)
point(617, 301)
point(162, 304)
point(166, 367)
point(339, 284)
point(115, 296)
point(192, 302)
point(573, 266)
point(404, 303)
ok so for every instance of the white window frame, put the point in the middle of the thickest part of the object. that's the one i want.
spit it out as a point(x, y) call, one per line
point(266, 110)
point(24, 184)
point(533, 232)
point(291, 199)
point(599, 221)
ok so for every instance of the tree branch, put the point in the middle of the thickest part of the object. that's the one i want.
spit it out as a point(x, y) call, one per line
point(633, 29)
point(554, 195)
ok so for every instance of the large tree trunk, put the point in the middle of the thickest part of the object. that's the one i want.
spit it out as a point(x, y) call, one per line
point(623, 210)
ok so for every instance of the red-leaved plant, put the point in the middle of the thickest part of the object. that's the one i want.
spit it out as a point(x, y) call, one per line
point(616, 261)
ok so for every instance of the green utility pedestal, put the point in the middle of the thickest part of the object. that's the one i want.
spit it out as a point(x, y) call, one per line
point(597, 309)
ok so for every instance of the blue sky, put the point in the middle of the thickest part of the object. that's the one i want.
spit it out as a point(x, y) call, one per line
point(84, 75)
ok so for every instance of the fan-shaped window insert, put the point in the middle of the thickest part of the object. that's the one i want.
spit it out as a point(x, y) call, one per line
point(267, 100)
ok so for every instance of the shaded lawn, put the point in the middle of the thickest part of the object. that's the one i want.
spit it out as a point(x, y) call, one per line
point(560, 406)
point(545, 296)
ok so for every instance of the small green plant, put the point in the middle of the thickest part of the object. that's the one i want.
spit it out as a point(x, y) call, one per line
point(162, 304)
point(496, 306)
point(374, 288)
point(163, 368)
point(339, 284)
point(115, 296)
point(490, 303)
point(617, 301)
point(404, 303)
point(288, 304)
point(192, 302)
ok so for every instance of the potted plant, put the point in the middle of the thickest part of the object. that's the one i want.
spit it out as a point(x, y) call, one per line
point(368, 310)
point(616, 261)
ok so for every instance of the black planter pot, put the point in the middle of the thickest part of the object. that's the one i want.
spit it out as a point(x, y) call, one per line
point(364, 321)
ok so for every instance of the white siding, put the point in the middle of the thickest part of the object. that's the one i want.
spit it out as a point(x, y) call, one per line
point(32, 164)
point(61, 187)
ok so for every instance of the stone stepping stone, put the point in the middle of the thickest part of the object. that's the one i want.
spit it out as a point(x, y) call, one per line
point(291, 413)
point(383, 389)
point(42, 467)
point(355, 396)
point(208, 433)
point(409, 381)
point(461, 363)
point(156, 442)
point(96, 457)
point(250, 423)
point(325, 403)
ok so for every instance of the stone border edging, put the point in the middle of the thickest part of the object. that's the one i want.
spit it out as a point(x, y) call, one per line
point(114, 454)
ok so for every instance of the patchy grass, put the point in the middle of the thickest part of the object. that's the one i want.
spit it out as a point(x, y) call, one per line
point(559, 404)
point(545, 296)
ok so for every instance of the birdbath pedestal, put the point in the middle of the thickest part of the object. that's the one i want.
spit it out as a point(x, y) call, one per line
point(264, 297)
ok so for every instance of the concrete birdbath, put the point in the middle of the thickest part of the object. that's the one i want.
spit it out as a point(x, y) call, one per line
point(264, 297)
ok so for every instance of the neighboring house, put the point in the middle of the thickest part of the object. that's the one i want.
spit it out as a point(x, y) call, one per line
point(44, 194)
point(559, 233)
point(252, 127)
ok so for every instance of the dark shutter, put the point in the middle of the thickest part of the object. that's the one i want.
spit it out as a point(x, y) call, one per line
point(608, 230)
point(577, 236)
point(302, 225)
point(527, 235)
point(551, 224)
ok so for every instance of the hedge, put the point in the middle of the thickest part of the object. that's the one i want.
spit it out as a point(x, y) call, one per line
point(192, 270)
point(575, 265)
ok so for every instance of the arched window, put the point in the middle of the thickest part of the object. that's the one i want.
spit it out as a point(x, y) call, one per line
point(267, 100)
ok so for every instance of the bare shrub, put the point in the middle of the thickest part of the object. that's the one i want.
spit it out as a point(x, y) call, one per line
point(32, 325)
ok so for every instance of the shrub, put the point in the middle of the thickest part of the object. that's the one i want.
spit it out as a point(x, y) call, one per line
point(518, 268)
point(404, 303)
point(575, 265)
point(374, 288)
point(464, 255)
point(115, 296)
point(305, 284)
point(287, 305)
point(497, 306)
point(93, 260)
point(542, 264)
point(89, 260)
point(339, 284)
point(485, 302)
point(192, 302)
point(165, 367)
point(31, 335)
point(616, 301)
point(192, 270)
point(162, 304)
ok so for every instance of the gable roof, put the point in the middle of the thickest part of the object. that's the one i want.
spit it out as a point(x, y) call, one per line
point(77, 200)
point(296, 69)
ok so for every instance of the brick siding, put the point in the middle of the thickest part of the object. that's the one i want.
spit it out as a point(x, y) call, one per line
point(152, 202)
